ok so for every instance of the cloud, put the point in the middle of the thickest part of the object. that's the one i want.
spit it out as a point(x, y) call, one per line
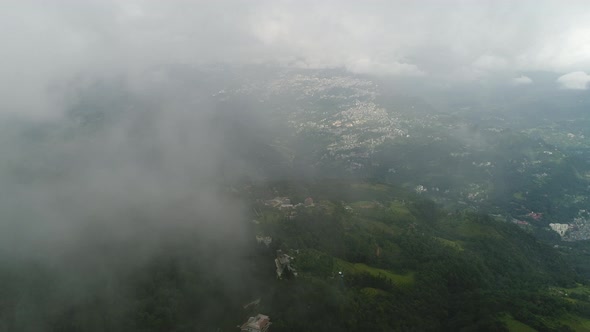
point(577, 80)
point(44, 45)
point(122, 160)
point(522, 80)
point(71, 181)
point(369, 66)
point(132, 174)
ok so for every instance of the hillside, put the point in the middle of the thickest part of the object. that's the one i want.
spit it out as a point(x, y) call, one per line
point(408, 264)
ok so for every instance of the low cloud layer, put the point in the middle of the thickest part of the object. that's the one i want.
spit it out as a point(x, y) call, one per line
point(112, 146)
point(522, 80)
point(45, 43)
point(53, 52)
point(128, 163)
point(577, 80)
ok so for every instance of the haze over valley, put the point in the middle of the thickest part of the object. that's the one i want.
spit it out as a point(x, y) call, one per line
point(294, 166)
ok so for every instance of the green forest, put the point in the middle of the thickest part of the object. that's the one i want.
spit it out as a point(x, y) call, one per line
point(368, 256)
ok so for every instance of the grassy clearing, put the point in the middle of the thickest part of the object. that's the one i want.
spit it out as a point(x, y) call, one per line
point(582, 293)
point(451, 244)
point(577, 323)
point(467, 229)
point(471, 229)
point(402, 280)
point(518, 196)
point(516, 326)
point(373, 291)
point(578, 290)
point(400, 212)
point(377, 226)
point(363, 205)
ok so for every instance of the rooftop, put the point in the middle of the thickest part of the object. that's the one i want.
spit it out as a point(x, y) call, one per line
point(255, 324)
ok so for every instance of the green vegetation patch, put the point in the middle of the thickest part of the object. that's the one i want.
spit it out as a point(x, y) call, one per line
point(400, 212)
point(363, 205)
point(579, 289)
point(370, 291)
point(370, 186)
point(451, 244)
point(516, 326)
point(472, 229)
point(377, 226)
point(580, 292)
point(518, 195)
point(315, 262)
point(402, 280)
point(577, 323)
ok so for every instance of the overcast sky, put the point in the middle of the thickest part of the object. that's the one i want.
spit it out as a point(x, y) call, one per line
point(45, 42)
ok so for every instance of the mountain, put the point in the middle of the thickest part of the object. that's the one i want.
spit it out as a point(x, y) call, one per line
point(326, 200)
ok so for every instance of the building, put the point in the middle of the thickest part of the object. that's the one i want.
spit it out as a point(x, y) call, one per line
point(560, 228)
point(286, 206)
point(308, 201)
point(283, 264)
point(535, 215)
point(259, 323)
point(267, 240)
point(279, 203)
